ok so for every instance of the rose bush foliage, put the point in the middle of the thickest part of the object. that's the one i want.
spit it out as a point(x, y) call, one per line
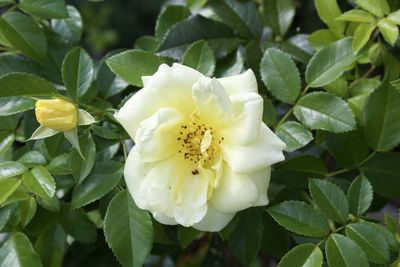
point(89, 185)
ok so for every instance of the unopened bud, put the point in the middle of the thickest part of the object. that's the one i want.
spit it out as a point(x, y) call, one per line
point(56, 114)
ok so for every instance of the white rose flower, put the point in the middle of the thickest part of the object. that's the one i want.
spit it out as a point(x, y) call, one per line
point(202, 152)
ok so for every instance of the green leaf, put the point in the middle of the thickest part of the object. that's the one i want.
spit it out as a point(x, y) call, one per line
point(325, 111)
point(396, 84)
point(365, 86)
point(7, 187)
point(45, 8)
point(200, 57)
point(344, 252)
point(128, 230)
point(374, 245)
point(51, 246)
point(11, 169)
point(280, 75)
point(169, 17)
point(82, 166)
point(279, 15)
point(14, 105)
point(376, 7)
point(360, 195)
point(18, 252)
point(77, 72)
point(60, 165)
point(69, 29)
point(40, 182)
point(77, 224)
point(5, 213)
point(394, 17)
point(27, 209)
point(300, 218)
point(107, 82)
point(5, 2)
point(22, 84)
point(243, 16)
point(389, 30)
point(32, 159)
point(146, 43)
point(321, 38)
point(305, 255)
point(104, 177)
point(330, 199)
point(381, 121)
point(328, 11)
point(356, 15)
point(338, 87)
point(23, 33)
point(186, 235)
point(361, 35)
point(329, 63)
point(294, 134)
point(131, 65)
point(383, 171)
point(349, 149)
point(13, 63)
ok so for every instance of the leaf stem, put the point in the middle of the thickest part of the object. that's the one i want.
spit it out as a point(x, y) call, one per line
point(290, 111)
point(368, 158)
point(124, 149)
point(337, 172)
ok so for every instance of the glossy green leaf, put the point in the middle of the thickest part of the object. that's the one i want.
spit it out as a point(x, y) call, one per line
point(13, 105)
point(376, 7)
point(326, 112)
point(389, 30)
point(364, 86)
point(361, 35)
point(330, 199)
point(243, 16)
point(321, 38)
point(71, 28)
point(18, 252)
point(374, 245)
point(5, 213)
point(45, 8)
point(51, 246)
point(280, 75)
point(77, 72)
point(107, 82)
point(360, 195)
point(382, 124)
point(279, 15)
point(60, 165)
point(82, 166)
point(394, 17)
point(200, 57)
point(40, 182)
point(356, 15)
point(7, 187)
point(32, 159)
point(304, 255)
point(104, 177)
point(22, 32)
point(328, 11)
point(329, 63)
point(22, 84)
point(131, 65)
point(338, 87)
point(14, 63)
point(128, 230)
point(11, 169)
point(168, 17)
point(294, 135)
point(383, 171)
point(301, 218)
point(344, 252)
point(77, 224)
point(27, 209)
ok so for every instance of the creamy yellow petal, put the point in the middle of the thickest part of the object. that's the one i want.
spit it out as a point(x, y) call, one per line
point(156, 137)
point(261, 180)
point(264, 151)
point(242, 83)
point(214, 220)
point(236, 192)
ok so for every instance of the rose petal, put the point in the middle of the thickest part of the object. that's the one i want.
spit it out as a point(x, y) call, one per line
point(214, 220)
point(242, 83)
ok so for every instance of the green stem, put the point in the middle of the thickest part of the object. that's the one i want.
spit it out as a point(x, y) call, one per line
point(290, 111)
point(331, 174)
point(124, 149)
point(368, 158)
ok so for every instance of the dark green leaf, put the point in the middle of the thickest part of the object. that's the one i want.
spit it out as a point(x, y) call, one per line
point(27, 209)
point(51, 246)
point(301, 218)
point(329, 63)
point(200, 57)
point(330, 199)
point(107, 82)
point(5, 213)
point(170, 16)
point(40, 182)
point(128, 230)
point(60, 165)
point(13, 63)
point(104, 177)
point(13, 105)
point(360, 195)
point(77, 72)
point(146, 43)
point(11, 169)
point(280, 75)
point(186, 235)
point(32, 159)
point(344, 252)
point(7, 187)
point(294, 134)
point(18, 252)
point(22, 84)
point(45, 8)
point(70, 29)
point(325, 111)
point(23, 33)
point(133, 64)
point(304, 255)
point(279, 15)
point(77, 224)
point(81, 167)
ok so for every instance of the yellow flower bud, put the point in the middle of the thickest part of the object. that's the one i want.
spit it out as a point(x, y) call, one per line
point(56, 114)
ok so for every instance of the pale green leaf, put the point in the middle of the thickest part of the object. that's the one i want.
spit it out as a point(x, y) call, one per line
point(7, 187)
point(321, 38)
point(361, 35)
point(389, 30)
point(356, 15)
point(377, 7)
point(11, 169)
point(22, 84)
point(328, 11)
point(394, 17)
point(45, 8)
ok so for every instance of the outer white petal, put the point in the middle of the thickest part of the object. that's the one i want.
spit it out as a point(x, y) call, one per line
point(214, 220)
point(160, 217)
point(248, 110)
point(42, 132)
point(261, 179)
point(264, 151)
point(242, 83)
point(236, 192)
point(155, 138)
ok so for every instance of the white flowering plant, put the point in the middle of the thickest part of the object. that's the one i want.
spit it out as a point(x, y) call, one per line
point(233, 136)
